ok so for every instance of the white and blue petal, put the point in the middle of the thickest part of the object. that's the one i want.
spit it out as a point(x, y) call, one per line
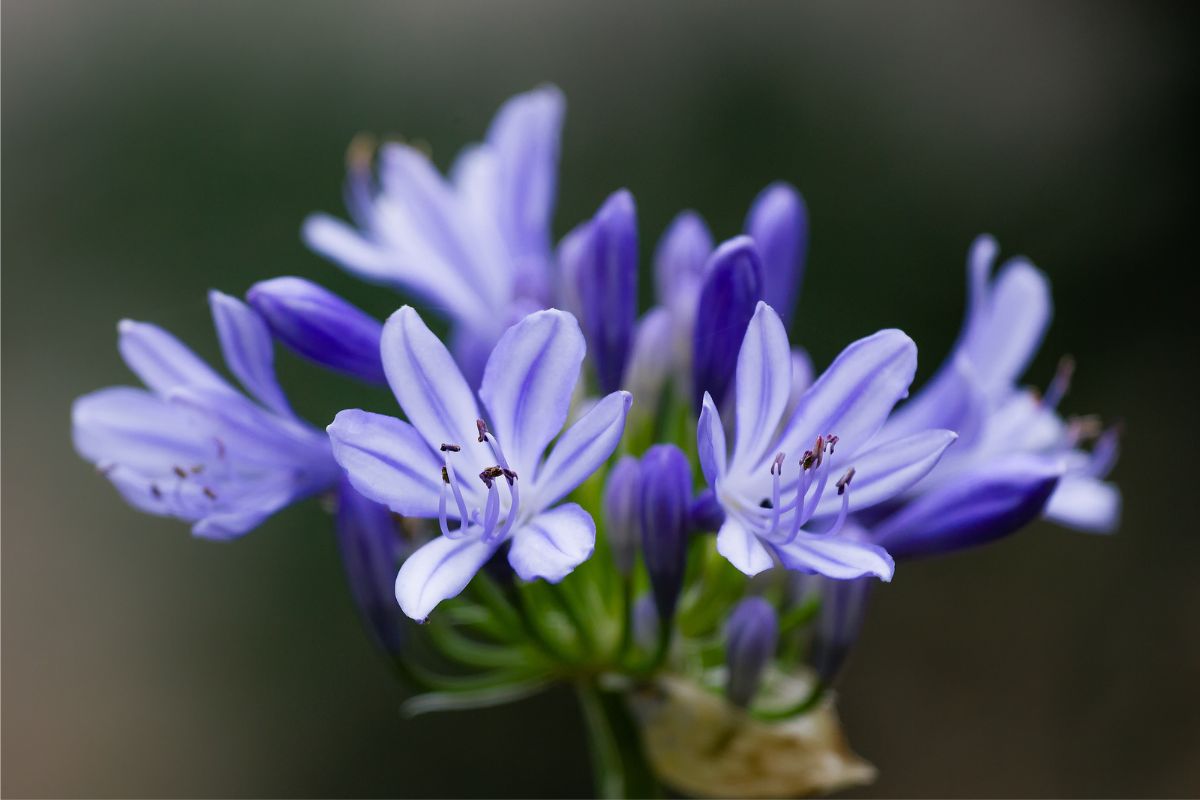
point(248, 350)
point(742, 548)
point(888, 469)
point(1085, 504)
point(162, 361)
point(710, 442)
point(581, 449)
point(553, 543)
point(440, 570)
point(764, 382)
point(835, 557)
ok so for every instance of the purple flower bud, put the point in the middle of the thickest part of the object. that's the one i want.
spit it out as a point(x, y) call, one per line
point(751, 634)
point(778, 223)
point(843, 608)
point(371, 550)
point(732, 288)
point(975, 508)
point(706, 512)
point(599, 260)
point(666, 497)
point(622, 512)
point(319, 325)
point(681, 255)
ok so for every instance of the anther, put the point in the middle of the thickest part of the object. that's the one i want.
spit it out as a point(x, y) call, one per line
point(209, 493)
point(450, 448)
point(481, 426)
point(197, 469)
point(445, 475)
point(180, 471)
point(831, 440)
point(509, 476)
point(819, 449)
point(844, 481)
point(807, 460)
point(105, 469)
point(157, 492)
point(777, 465)
point(490, 474)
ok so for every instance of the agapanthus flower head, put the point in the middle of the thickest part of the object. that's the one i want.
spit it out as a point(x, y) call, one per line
point(192, 446)
point(472, 244)
point(787, 492)
point(485, 481)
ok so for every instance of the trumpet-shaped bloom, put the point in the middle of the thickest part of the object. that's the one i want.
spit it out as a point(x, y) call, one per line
point(1017, 456)
point(472, 244)
point(786, 493)
point(486, 482)
point(190, 445)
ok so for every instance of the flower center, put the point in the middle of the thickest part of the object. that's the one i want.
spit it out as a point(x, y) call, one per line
point(812, 480)
point(489, 517)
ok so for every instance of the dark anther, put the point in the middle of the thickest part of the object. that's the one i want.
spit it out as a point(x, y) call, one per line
point(777, 465)
point(490, 474)
point(105, 469)
point(180, 471)
point(157, 492)
point(807, 460)
point(819, 449)
point(509, 476)
point(445, 475)
point(766, 503)
point(450, 448)
point(481, 426)
point(209, 493)
point(844, 481)
point(220, 447)
point(831, 440)
point(197, 469)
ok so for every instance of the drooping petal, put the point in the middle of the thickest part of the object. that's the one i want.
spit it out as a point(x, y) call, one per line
point(427, 382)
point(742, 548)
point(440, 570)
point(599, 261)
point(889, 468)
point(977, 507)
point(248, 350)
point(553, 543)
point(371, 550)
point(680, 257)
point(162, 361)
point(582, 448)
point(835, 557)
point(387, 461)
point(854, 396)
point(778, 224)
point(528, 382)
point(320, 326)
point(764, 382)
point(525, 136)
point(1085, 504)
point(733, 285)
point(710, 441)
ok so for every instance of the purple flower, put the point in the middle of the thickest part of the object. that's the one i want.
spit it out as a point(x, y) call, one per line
point(599, 261)
point(778, 224)
point(486, 484)
point(733, 286)
point(843, 609)
point(191, 446)
point(665, 501)
point(788, 492)
point(1016, 457)
point(317, 324)
point(476, 246)
point(623, 512)
point(751, 634)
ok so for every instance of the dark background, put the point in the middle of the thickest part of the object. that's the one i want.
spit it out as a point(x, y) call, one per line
point(155, 150)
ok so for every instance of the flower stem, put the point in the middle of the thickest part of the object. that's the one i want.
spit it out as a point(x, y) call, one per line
point(619, 767)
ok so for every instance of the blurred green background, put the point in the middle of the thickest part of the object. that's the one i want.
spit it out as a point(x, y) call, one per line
point(153, 150)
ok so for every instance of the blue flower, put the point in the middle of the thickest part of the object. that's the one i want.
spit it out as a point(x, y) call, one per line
point(191, 446)
point(486, 484)
point(1016, 457)
point(788, 492)
point(475, 246)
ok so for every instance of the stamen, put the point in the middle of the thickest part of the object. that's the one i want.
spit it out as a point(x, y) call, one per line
point(157, 492)
point(1084, 428)
point(831, 440)
point(209, 493)
point(1104, 454)
point(1060, 383)
point(105, 469)
point(819, 449)
point(448, 478)
point(491, 511)
point(489, 475)
point(481, 426)
point(776, 474)
point(197, 469)
point(843, 487)
point(844, 481)
point(180, 471)
point(450, 448)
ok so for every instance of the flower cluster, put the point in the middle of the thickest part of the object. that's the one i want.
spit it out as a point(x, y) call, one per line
point(579, 485)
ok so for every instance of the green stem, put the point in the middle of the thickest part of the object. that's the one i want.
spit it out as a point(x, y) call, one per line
point(619, 768)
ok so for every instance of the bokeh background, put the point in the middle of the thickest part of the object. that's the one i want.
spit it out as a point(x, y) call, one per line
point(153, 150)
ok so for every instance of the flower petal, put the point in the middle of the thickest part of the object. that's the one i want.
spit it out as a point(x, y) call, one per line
point(162, 361)
point(581, 449)
point(248, 350)
point(764, 382)
point(1017, 311)
point(953, 399)
point(731, 291)
point(1086, 504)
point(428, 385)
point(440, 570)
point(710, 442)
point(854, 396)
point(387, 462)
point(974, 508)
point(835, 557)
point(371, 550)
point(138, 429)
point(889, 468)
point(528, 382)
point(742, 548)
point(252, 434)
point(680, 257)
point(778, 224)
point(553, 543)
